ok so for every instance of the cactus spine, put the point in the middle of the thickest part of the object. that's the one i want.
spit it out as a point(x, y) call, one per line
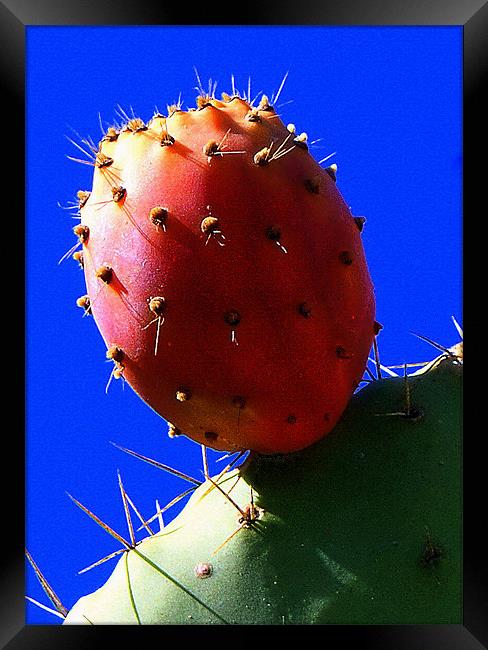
point(362, 527)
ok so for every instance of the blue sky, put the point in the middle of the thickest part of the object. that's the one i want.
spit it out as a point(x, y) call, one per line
point(388, 100)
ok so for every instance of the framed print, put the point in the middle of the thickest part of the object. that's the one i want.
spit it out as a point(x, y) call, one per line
point(384, 104)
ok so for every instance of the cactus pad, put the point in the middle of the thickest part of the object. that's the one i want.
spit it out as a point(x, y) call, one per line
point(363, 527)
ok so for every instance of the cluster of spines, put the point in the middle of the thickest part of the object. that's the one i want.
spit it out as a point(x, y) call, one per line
point(247, 516)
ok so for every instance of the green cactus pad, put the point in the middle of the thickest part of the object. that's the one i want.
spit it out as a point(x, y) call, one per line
point(363, 527)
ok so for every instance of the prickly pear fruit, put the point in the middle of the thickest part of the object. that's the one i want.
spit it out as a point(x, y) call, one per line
point(362, 527)
point(227, 272)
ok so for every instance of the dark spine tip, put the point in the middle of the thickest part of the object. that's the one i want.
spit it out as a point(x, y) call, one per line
point(82, 232)
point(104, 273)
point(111, 135)
point(261, 157)
point(209, 224)
point(239, 401)
point(203, 570)
point(210, 148)
point(166, 140)
point(136, 124)
point(345, 258)
point(431, 554)
point(158, 216)
point(377, 327)
point(273, 233)
point(183, 394)
point(332, 172)
point(264, 104)
point(78, 257)
point(157, 305)
point(232, 317)
point(341, 353)
point(115, 353)
point(173, 431)
point(210, 435)
point(291, 419)
point(84, 303)
point(82, 197)
point(414, 414)
point(305, 310)
point(118, 372)
point(203, 101)
point(360, 221)
point(118, 193)
point(312, 185)
point(253, 116)
point(301, 141)
point(102, 160)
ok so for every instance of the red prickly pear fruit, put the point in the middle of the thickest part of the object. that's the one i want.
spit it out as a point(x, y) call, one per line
point(223, 261)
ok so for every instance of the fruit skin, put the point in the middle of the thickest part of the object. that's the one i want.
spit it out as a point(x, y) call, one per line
point(364, 527)
point(268, 312)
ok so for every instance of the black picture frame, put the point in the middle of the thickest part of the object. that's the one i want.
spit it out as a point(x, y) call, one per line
point(15, 16)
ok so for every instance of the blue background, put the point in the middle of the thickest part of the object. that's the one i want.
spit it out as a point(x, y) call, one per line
point(387, 100)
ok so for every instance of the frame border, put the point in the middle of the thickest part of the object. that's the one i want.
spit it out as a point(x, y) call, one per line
point(472, 15)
